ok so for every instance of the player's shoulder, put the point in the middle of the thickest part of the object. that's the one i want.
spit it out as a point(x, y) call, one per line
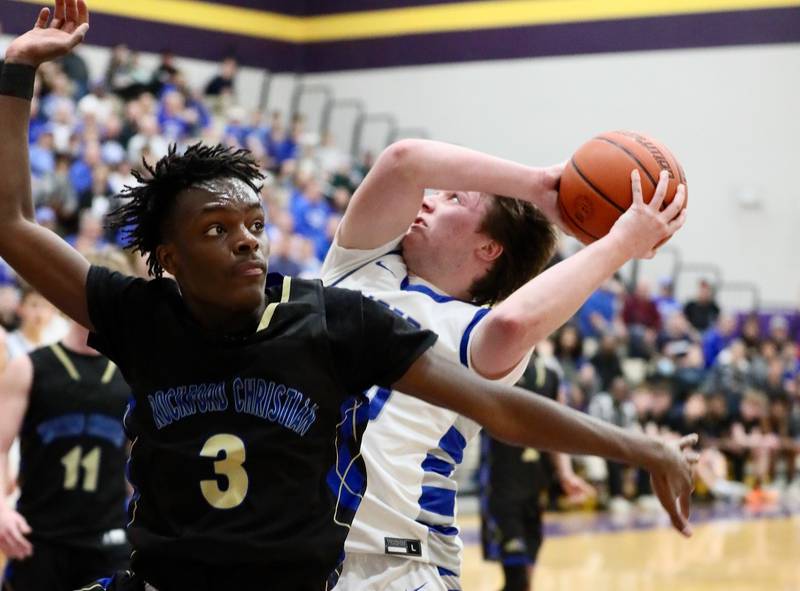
point(43, 352)
point(342, 298)
point(103, 282)
point(311, 295)
point(341, 263)
point(295, 290)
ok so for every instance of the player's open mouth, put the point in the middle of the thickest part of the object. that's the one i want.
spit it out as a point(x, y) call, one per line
point(419, 222)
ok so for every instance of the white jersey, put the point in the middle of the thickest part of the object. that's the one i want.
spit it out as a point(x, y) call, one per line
point(410, 447)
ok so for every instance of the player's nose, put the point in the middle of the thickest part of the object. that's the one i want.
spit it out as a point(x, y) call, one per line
point(246, 241)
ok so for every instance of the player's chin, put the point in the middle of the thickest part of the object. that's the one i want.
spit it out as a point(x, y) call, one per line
point(246, 296)
point(413, 238)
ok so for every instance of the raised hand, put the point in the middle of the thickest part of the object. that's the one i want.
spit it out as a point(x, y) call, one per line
point(46, 42)
point(545, 195)
point(646, 226)
point(673, 481)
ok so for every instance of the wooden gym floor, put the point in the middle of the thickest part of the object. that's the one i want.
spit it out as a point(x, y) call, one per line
point(736, 551)
point(729, 551)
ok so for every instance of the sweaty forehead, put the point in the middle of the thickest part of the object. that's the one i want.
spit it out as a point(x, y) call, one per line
point(232, 189)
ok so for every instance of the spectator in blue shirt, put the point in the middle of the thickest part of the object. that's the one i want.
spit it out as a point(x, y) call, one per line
point(42, 155)
point(598, 315)
point(716, 339)
point(81, 171)
point(665, 300)
point(280, 146)
point(311, 211)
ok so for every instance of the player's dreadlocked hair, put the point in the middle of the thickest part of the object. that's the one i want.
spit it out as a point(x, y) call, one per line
point(150, 203)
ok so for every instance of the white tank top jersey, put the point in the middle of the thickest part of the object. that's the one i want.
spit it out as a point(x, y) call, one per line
point(410, 448)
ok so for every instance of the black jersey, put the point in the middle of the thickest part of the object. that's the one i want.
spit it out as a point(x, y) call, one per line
point(242, 447)
point(73, 449)
point(515, 472)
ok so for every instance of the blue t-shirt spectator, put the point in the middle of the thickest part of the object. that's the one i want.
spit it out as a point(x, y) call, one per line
point(714, 342)
point(42, 160)
point(310, 216)
point(80, 175)
point(282, 150)
point(602, 302)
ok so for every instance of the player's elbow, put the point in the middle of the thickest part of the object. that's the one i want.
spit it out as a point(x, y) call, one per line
point(506, 427)
point(511, 329)
point(399, 157)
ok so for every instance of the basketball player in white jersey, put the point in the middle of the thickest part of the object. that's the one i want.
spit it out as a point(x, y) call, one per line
point(439, 260)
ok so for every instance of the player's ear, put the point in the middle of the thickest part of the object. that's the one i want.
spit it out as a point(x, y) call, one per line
point(166, 256)
point(490, 250)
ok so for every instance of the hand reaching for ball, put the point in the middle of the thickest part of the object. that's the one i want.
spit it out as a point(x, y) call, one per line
point(595, 187)
point(646, 226)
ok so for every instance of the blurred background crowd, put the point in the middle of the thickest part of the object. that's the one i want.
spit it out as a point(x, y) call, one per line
point(633, 355)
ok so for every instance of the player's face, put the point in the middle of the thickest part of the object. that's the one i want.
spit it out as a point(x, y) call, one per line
point(447, 226)
point(218, 253)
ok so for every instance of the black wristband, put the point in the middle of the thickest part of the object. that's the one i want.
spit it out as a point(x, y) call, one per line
point(17, 80)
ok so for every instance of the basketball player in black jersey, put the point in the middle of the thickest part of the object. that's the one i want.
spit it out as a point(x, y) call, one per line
point(248, 391)
point(512, 482)
point(65, 402)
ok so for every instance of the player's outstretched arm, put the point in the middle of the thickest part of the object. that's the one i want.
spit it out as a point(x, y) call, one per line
point(15, 387)
point(37, 254)
point(525, 419)
point(548, 300)
point(387, 202)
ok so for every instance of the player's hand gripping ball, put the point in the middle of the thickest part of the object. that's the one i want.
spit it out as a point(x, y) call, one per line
point(595, 187)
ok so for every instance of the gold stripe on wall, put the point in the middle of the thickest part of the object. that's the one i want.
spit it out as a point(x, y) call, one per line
point(202, 15)
point(440, 18)
point(514, 13)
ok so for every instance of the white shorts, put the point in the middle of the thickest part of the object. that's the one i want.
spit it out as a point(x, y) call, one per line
point(373, 572)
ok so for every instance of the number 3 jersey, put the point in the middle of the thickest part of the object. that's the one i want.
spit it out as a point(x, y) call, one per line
point(245, 450)
point(72, 474)
point(411, 448)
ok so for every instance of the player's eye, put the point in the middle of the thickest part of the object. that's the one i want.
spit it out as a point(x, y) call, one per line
point(257, 226)
point(455, 197)
point(215, 230)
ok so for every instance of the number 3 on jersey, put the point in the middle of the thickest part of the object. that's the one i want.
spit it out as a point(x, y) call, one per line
point(230, 466)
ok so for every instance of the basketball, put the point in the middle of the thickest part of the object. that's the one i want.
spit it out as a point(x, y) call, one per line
point(596, 185)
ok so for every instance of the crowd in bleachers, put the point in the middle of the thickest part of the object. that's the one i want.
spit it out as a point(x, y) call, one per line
point(638, 359)
point(88, 137)
point(644, 360)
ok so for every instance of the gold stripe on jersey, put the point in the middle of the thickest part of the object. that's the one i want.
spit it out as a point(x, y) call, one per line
point(65, 361)
point(108, 373)
point(541, 373)
point(270, 311)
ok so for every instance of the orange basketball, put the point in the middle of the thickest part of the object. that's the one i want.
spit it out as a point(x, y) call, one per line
point(596, 185)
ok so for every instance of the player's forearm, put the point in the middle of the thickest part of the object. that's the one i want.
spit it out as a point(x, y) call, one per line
point(5, 486)
point(521, 418)
point(15, 176)
point(562, 463)
point(542, 305)
point(438, 165)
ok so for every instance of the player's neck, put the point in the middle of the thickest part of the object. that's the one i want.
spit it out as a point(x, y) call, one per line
point(75, 341)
